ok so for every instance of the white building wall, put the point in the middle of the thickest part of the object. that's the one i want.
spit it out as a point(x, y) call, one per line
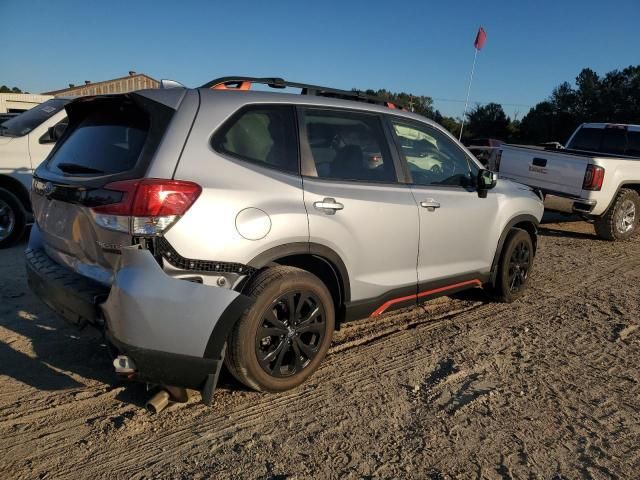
point(20, 101)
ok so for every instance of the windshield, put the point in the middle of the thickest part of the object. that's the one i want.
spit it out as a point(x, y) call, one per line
point(27, 121)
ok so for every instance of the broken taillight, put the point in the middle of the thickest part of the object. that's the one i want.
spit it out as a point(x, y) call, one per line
point(148, 206)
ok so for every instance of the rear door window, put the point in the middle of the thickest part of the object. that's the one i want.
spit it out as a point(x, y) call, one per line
point(104, 142)
point(348, 145)
point(265, 135)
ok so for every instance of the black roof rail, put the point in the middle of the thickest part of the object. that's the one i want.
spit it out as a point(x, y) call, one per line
point(244, 83)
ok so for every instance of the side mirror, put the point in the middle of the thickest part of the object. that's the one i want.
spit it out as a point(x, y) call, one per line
point(486, 181)
point(53, 133)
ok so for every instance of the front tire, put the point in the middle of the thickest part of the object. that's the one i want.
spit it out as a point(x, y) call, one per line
point(281, 340)
point(514, 268)
point(620, 221)
point(12, 219)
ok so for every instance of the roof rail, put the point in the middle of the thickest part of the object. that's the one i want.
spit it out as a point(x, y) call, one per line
point(244, 83)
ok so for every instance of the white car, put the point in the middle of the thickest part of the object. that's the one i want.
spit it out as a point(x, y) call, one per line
point(25, 141)
point(597, 176)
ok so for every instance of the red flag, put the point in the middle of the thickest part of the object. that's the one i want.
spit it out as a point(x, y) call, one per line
point(481, 37)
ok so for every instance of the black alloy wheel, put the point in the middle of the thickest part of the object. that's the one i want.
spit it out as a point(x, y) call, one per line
point(291, 333)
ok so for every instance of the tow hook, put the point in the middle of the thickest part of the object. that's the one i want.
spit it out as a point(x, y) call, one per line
point(124, 365)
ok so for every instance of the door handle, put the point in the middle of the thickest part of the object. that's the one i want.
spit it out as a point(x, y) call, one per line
point(430, 204)
point(328, 206)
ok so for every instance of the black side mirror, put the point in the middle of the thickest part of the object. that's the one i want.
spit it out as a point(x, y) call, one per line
point(486, 181)
point(53, 133)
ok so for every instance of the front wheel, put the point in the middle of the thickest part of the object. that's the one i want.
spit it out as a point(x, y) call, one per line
point(514, 268)
point(281, 340)
point(620, 222)
point(12, 219)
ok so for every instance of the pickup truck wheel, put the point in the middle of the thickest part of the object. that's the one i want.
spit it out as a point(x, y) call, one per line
point(12, 219)
point(620, 221)
point(281, 340)
point(514, 268)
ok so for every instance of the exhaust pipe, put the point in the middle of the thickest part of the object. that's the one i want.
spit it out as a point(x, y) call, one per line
point(158, 402)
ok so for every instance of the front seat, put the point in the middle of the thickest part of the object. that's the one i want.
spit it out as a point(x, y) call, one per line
point(349, 164)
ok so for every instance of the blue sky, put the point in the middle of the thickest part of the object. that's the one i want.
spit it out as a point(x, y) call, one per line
point(422, 47)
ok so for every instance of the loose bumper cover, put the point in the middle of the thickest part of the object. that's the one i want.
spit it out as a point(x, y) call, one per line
point(174, 330)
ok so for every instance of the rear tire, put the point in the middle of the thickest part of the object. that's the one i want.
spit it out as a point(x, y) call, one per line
point(12, 219)
point(620, 222)
point(514, 267)
point(281, 340)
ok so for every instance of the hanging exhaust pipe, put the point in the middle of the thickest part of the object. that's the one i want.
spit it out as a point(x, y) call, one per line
point(158, 402)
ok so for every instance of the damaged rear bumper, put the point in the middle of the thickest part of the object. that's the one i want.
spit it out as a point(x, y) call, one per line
point(174, 330)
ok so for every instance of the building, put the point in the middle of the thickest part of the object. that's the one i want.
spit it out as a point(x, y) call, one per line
point(133, 81)
point(20, 102)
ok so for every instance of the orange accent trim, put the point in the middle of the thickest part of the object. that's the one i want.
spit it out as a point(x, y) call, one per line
point(243, 86)
point(387, 304)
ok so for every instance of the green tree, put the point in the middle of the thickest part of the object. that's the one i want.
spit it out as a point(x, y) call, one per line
point(5, 89)
point(487, 121)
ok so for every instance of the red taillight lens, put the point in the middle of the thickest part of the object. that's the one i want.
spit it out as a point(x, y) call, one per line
point(151, 197)
point(148, 206)
point(593, 178)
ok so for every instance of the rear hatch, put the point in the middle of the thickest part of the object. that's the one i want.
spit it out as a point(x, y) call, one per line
point(549, 170)
point(83, 192)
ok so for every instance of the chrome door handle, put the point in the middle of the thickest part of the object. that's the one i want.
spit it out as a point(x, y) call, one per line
point(328, 206)
point(430, 204)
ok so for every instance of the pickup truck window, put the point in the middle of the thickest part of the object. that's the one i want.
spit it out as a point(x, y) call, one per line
point(27, 121)
point(613, 141)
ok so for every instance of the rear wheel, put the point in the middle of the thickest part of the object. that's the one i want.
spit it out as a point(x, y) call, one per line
point(514, 268)
point(620, 221)
point(281, 340)
point(12, 219)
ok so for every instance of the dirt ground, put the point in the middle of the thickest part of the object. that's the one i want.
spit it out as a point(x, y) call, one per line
point(548, 387)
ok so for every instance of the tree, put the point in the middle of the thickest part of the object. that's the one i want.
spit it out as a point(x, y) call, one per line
point(5, 89)
point(487, 121)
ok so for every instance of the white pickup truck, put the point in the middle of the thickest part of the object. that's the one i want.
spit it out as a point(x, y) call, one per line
point(25, 141)
point(596, 175)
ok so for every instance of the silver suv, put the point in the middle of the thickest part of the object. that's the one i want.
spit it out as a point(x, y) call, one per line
point(211, 225)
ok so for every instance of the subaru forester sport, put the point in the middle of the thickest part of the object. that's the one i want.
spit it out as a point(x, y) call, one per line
point(224, 224)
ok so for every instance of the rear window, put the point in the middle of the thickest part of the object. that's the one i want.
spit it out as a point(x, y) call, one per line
point(587, 139)
point(105, 141)
point(613, 141)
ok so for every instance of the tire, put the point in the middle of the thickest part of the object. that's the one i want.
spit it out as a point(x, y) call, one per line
point(12, 219)
point(620, 222)
point(512, 264)
point(266, 334)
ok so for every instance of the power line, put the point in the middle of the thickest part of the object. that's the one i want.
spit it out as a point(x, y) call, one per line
point(481, 103)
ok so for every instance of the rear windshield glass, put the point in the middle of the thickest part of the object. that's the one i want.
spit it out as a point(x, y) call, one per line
point(613, 141)
point(105, 142)
point(27, 121)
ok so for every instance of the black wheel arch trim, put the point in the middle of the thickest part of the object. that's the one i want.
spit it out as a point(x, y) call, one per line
point(503, 237)
point(223, 326)
point(308, 248)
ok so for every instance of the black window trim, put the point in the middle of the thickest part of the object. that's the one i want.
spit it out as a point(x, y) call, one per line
point(308, 166)
point(389, 119)
point(258, 106)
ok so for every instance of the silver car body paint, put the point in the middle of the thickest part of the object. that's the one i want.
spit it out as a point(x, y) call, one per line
point(382, 235)
point(151, 310)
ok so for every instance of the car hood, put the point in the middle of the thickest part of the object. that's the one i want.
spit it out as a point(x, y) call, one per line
point(5, 140)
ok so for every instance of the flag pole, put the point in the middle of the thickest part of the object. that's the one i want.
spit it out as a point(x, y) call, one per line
point(466, 103)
